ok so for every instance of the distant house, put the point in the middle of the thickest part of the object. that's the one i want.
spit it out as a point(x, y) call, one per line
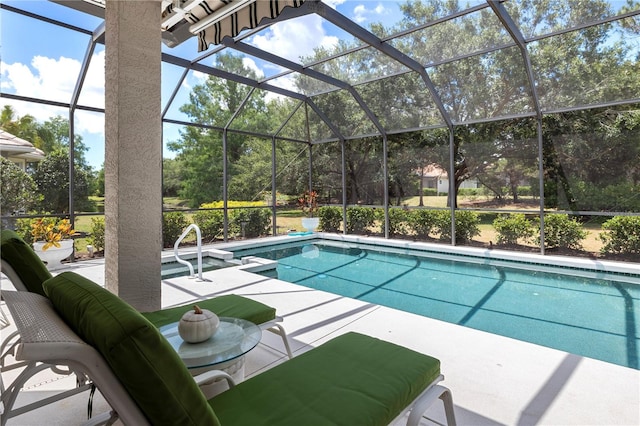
point(433, 176)
point(18, 150)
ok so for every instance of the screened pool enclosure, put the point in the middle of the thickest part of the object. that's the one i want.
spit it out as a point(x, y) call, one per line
point(457, 109)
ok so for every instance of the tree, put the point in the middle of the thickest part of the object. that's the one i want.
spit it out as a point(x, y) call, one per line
point(25, 127)
point(596, 149)
point(52, 137)
point(52, 181)
point(579, 67)
point(98, 186)
point(55, 133)
point(199, 149)
point(171, 177)
point(17, 189)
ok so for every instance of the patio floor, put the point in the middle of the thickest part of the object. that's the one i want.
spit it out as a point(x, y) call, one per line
point(494, 380)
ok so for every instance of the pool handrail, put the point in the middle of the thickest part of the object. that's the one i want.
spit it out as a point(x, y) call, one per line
point(199, 250)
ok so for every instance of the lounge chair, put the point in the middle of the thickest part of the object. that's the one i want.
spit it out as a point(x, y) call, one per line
point(27, 272)
point(352, 379)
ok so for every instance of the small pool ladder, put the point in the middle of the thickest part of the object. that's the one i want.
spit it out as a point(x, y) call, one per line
point(199, 245)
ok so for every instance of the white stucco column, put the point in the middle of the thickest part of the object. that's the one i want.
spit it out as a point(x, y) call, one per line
point(133, 157)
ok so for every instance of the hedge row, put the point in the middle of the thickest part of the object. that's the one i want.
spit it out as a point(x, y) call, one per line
point(247, 223)
point(621, 234)
point(421, 223)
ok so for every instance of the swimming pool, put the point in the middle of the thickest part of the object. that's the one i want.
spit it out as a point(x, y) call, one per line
point(171, 268)
point(588, 313)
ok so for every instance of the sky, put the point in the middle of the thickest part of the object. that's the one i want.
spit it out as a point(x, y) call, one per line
point(47, 67)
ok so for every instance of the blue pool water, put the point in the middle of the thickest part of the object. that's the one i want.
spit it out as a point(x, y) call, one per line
point(174, 269)
point(562, 308)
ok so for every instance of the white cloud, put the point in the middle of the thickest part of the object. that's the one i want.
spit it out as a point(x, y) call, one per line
point(55, 79)
point(193, 79)
point(333, 3)
point(251, 65)
point(359, 13)
point(286, 82)
point(362, 14)
point(295, 38)
point(200, 76)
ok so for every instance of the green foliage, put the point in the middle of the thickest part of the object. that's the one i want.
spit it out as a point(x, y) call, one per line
point(525, 191)
point(257, 222)
point(173, 224)
point(23, 228)
point(232, 204)
point(359, 219)
point(398, 221)
point(330, 218)
point(429, 192)
point(210, 222)
point(96, 237)
point(513, 227)
point(621, 197)
point(622, 235)
point(17, 189)
point(423, 221)
point(466, 225)
point(562, 231)
point(468, 192)
point(98, 189)
point(171, 177)
point(442, 224)
point(199, 151)
point(52, 181)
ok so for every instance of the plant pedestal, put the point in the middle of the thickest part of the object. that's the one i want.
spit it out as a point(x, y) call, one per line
point(54, 255)
point(310, 223)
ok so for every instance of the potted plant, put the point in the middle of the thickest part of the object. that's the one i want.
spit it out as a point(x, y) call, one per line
point(308, 202)
point(52, 240)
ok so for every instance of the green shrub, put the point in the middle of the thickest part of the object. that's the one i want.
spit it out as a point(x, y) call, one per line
point(17, 188)
point(524, 191)
point(466, 225)
point(562, 231)
point(621, 197)
point(231, 204)
point(210, 222)
point(622, 235)
point(468, 192)
point(173, 223)
point(330, 218)
point(96, 239)
point(23, 228)
point(257, 222)
point(429, 192)
point(398, 221)
point(359, 219)
point(422, 222)
point(442, 224)
point(513, 227)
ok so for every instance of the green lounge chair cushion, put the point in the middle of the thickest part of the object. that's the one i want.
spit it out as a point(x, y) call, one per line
point(351, 380)
point(24, 261)
point(224, 306)
point(141, 358)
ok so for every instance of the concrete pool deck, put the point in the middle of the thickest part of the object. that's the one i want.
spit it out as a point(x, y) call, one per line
point(494, 380)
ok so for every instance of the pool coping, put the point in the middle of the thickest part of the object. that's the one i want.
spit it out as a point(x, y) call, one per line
point(595, 266)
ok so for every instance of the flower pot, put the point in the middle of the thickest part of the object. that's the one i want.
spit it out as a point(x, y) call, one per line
point(54, 255)
point(310, 223)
